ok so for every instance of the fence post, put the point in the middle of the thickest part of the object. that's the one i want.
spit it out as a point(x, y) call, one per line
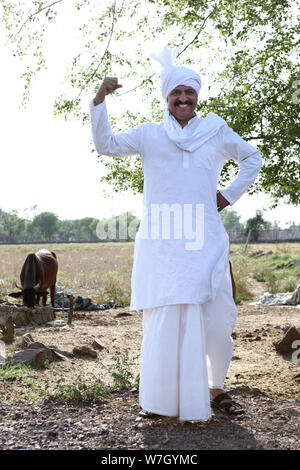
point(247, 241)
point(70, 312)
point(63, 304)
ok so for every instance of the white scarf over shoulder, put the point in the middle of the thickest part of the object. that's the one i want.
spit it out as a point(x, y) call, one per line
point(198, 131)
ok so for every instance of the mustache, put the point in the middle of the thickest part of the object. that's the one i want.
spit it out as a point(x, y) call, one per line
point(177, 103)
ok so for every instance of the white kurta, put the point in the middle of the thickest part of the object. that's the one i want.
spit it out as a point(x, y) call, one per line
point(181, 247)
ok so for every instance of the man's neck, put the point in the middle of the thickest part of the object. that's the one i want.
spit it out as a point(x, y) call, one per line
point(185, 122)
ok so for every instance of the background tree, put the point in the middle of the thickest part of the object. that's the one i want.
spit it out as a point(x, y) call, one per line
point(276, 225)
point(83, 229)
point(292, 225)
point(12, 227)
point(46, 223)
point(255, 87)
point(66, 230)
point(231, 220)
point(255, 224)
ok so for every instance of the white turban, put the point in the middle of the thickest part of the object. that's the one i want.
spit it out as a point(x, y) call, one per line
point(173, 75)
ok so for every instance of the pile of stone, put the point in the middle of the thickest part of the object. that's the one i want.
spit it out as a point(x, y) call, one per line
point(36, 354)
point(12, 316)
point(80, 303)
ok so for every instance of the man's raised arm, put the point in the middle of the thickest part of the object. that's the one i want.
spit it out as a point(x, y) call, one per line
point(107, 143)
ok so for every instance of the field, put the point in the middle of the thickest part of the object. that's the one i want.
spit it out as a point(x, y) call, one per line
point(92, 270)
point(104, 390)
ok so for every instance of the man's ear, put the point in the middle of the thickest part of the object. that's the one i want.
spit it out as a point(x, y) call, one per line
point(15, 295)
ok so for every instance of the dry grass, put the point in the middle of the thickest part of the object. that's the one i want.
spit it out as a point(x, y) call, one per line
point(276, 270)
point(275, 247)
point(97, 270)
point(102, 271)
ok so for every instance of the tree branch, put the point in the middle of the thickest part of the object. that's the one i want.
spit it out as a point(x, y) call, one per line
point(29, 18)
point(137, 86)
point(181, 52)
point(198, 33)
point(106, 49)
point(269, 137)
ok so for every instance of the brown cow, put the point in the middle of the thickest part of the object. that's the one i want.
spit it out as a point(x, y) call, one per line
point(38, 274)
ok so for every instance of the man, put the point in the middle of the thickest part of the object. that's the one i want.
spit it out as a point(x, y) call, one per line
point(181, 278)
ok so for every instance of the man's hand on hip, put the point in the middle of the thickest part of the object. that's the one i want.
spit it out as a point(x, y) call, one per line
point(221, 202)
point(108, 86)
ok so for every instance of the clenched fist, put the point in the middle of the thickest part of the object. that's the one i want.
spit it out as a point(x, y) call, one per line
point(109, 85)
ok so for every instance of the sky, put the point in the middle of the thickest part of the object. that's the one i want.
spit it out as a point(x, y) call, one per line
point(48, 162)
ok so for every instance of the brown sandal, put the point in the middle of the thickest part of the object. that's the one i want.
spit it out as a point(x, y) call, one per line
point(230, 407)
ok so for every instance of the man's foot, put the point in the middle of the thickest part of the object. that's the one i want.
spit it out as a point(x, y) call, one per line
point(223, 402)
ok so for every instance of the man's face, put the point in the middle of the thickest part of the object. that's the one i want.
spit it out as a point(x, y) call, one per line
point(182, 102)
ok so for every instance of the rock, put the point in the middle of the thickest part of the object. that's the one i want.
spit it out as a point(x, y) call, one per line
point(32, 357)
point(259, 253)
point(26, 340)
point(36, 345)
point(61, 355)
point(22, 316)
point(56, 323)
point(97, 345)
point(285, 344)
point(84, 351)
point(123, 314)
point(8, 330)
point(36, 356)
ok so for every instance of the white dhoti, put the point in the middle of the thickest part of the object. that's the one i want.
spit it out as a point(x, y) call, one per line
point(186, 349)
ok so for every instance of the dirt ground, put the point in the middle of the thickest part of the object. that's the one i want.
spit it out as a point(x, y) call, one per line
point(259, 378)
